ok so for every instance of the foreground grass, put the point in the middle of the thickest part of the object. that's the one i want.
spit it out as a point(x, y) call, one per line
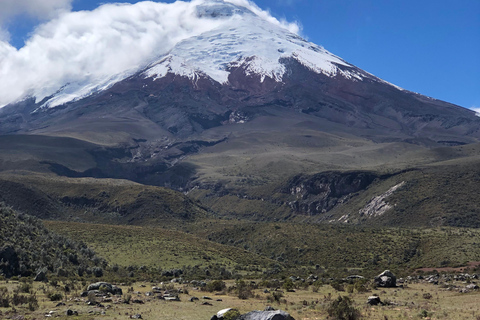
point(303, 304)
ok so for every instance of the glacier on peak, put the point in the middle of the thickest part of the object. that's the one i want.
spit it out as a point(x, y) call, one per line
point(86, 52)
point(248, 41)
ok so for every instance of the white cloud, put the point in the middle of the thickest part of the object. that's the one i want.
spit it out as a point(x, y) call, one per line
point(114, 39)
point(292, 26)
point(477, 110)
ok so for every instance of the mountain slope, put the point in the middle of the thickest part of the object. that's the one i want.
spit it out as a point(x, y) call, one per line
point(235, 110)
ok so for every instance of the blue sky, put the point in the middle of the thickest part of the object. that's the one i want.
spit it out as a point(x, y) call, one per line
point(430, 47)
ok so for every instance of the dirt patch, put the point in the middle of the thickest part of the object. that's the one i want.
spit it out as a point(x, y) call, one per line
point(470, 266)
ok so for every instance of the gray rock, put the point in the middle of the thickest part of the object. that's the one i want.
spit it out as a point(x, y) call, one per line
point(69, 312)
point(266, 315)
point(374, 300)
point(105, 287)
point(472, 286)
point(386, 280)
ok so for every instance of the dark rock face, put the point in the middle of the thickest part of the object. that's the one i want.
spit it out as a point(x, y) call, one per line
point(386, 279)
point(320, 193)
point(9, 262)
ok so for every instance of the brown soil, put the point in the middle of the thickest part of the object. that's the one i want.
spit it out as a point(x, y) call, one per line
point(470, 266)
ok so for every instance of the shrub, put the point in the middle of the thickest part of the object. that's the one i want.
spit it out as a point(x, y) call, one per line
point(427, 295)
point(231, 314)
point(91, 297)
point(54, 296)
point(360, 285)
point(288, 285)
point(24, 287)
point(342, 309)
point(4, 298)
point(216, 285)
point(275, 296)
point(337, 286)
point(243, 290)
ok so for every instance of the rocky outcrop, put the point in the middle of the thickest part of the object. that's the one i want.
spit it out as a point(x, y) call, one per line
point(321, 192)
point(378, 206)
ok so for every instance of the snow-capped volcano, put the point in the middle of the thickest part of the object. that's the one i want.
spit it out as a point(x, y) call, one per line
point(178, 70)
point(211, 38)
point(243, 39)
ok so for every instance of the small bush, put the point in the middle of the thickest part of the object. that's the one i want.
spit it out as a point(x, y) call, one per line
point(4, 298)
point(427, 295)
point(54, 296)
point(127, 298)
point(24, 287)
point(288, 285)
point(231, 314)
point(91, 297)
point(337, 286)
point(275, 296)
point(243, 290)
point(216, 285)
point(342, 309)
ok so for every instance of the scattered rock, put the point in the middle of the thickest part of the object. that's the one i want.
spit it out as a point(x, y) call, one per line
point(69, 312)
point(386, 280)
point(206, 304)
point(472, 286)
point(172, 298)
point(60, 304)
point(374, 300)
point(105, 287)
point(136, 316)
point(192, 299)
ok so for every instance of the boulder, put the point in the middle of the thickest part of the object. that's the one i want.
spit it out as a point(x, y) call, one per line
point(472, 286)
point(266, 315)
point(105, 287)
point(386, 280)
point(374, 300)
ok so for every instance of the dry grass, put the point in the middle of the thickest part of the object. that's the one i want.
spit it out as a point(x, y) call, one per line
point(303, 304)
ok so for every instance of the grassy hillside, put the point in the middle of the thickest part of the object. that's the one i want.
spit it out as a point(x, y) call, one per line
point(158, 248)
point(101, 200)
point(279, 247)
